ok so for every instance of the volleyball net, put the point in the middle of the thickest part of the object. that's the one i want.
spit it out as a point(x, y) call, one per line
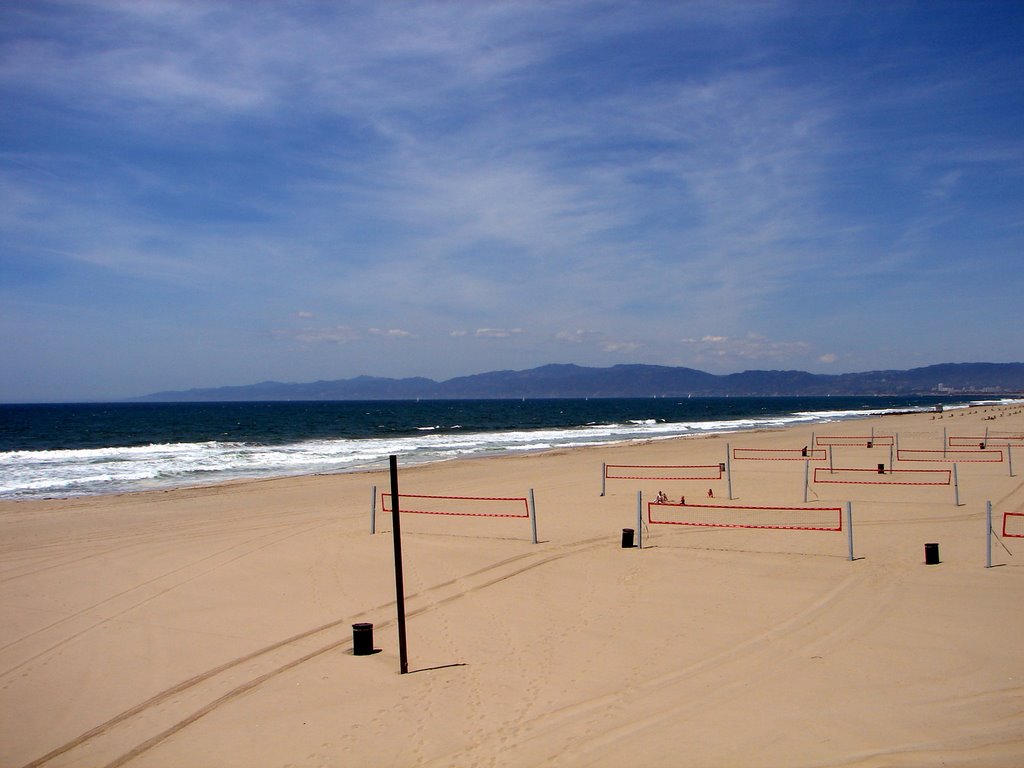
point(869, 441)
point(882, 476)
point(957, 455)
point(498, 507)
point(779, 454)
point(664, 471)
point(461, 506)
point(736, 516)
point(1000, 440)
point(1013, 525)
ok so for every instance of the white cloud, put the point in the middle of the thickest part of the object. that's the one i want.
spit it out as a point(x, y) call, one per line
point(339, 334)
point(392, 333)
point(497, 333)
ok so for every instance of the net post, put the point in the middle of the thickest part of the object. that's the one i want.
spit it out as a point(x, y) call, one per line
point(849, 528)
point(640, 519)
point(728, 468)
point(956, 486)
point(890, 458)
point(396, 531)
point(604, 474)
point(985, 444)
point(988, 534)
point(1009, 456)
point(945, 440)
point(373, 511)
point(807, 469)
point(533, 517)
point(831, 470)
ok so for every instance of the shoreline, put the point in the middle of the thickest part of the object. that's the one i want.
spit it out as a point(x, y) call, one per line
point(160, 486)
point(212, 624)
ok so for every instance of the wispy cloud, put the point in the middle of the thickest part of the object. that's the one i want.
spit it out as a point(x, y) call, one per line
point(596, 177)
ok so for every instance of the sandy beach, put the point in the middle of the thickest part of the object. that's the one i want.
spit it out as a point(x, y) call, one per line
point(213, 626)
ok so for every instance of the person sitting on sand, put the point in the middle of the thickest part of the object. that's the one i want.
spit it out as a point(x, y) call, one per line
point(711, 493)
point(662, 498)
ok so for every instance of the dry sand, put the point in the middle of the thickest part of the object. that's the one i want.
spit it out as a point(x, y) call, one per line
point(213, 626)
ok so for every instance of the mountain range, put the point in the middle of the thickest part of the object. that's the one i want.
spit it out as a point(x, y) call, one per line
point(574, 381)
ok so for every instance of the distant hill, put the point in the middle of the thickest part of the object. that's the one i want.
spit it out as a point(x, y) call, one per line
point(551, 381)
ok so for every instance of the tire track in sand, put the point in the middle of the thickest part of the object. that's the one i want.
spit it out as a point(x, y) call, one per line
point(116, 741)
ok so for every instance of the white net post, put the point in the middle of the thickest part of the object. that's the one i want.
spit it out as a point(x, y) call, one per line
point(988, 534)
point(373, 511)
point(639, 519)
point(849, 528)
point(728, 469)
point(533, 517)
point(604, 474)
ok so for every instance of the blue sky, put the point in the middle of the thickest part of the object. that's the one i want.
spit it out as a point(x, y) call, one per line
point(201, 194)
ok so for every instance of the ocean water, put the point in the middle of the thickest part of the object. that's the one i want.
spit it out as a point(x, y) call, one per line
point(50, 451)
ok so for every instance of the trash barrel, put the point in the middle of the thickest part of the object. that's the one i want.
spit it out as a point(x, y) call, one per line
point(627, 538)
point(931, 554)
point(881, 469)
point(362, 639)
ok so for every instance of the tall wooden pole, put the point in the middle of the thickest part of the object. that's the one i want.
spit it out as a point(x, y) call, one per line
point(396, 528)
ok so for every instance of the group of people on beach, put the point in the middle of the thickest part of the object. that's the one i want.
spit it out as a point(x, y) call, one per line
point(662, 497)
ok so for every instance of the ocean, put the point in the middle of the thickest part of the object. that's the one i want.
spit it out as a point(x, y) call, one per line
point(66, 450)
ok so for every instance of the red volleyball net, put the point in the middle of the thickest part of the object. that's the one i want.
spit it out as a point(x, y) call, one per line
point(1000, 440)
point(664, 471)
point(869, 441)
point(960, 456)
point(859, 476)
point(735, 516)
point(779, 454)
point(464, 506)
point(1013, 525)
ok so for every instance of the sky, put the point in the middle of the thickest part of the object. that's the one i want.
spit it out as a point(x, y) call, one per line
point(202, 194)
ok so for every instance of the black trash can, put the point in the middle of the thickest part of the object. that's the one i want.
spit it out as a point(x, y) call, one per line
point(362, 639)
point(931, 554)
point(627, 538)
point(881, 469)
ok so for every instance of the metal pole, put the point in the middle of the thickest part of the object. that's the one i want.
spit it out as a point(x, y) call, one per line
point(728, 468)
point(604, 473)
point(807, 469)
point(988, 534)
point(396, 530)
point(944, 440)
point(373, 511)
point(1009, 457)
point(849, 528)
point(956, 487)
point(890, 458)
point(640, 519)
point(831, 470)
point(533, 517)
point(985, 444)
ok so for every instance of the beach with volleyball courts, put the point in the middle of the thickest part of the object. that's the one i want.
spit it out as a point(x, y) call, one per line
point(555, 612)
